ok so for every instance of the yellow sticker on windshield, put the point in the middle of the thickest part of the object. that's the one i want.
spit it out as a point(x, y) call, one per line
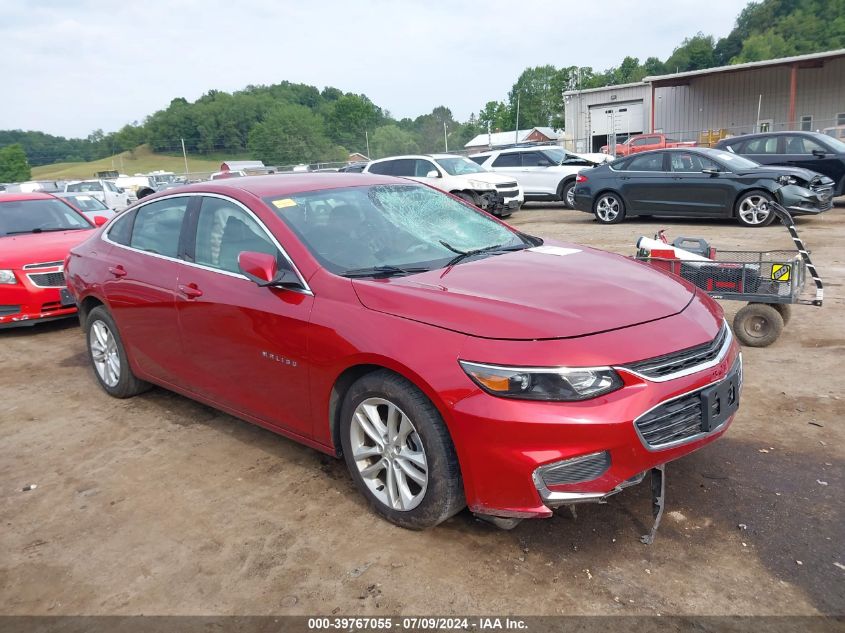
point(284, 203)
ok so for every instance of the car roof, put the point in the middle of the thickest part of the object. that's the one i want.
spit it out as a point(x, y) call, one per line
point(270, 185)
point(17, 197)
point(406, 156)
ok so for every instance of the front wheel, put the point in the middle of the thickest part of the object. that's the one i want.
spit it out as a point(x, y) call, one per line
point(108, 356)
point(758, 325)
point(609, 208)
point(399, 452)
point(753, 209)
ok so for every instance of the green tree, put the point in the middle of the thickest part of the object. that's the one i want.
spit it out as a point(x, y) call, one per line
point(540, 91)
point(290, 134)
point(694, 53)
point(348, 118)
point(13, 164)
point(389, 140)
point(497, 116)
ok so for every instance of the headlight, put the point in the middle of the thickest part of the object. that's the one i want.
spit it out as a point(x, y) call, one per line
point(787, 180)
point(562, 384)
point(7, 277)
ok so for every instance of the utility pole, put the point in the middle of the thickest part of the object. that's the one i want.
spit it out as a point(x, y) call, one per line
point(185, 156)
point(489, 137)
point(445, 138)
point(367, 136)
point(516, 130)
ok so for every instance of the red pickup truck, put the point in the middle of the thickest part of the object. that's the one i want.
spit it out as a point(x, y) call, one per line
point(645, 142)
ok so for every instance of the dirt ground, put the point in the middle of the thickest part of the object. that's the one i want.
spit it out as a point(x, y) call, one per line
point(160, 505)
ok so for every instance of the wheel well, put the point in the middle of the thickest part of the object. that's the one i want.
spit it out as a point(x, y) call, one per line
point(466, 191)
point(88, 304)
point(338, 393)
point(564, 182)
point(144, 192)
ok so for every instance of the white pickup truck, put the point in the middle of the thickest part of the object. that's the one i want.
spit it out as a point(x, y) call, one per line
point(105, 191)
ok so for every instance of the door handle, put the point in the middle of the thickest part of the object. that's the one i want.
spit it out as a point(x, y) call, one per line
point(118, 271)
point(190, 290)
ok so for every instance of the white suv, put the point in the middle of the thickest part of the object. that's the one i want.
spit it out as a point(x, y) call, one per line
point(496, 193)
point(545, 172)
point(105, 191)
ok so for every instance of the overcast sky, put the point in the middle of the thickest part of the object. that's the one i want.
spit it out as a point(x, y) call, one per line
point(69, 67)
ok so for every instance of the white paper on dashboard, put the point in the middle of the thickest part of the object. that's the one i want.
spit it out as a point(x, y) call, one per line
point(560, 251)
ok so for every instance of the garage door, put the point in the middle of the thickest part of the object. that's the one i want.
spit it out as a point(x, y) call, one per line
point(619, 118)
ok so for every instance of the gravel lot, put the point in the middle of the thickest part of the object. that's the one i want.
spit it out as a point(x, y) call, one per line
point(160, 505)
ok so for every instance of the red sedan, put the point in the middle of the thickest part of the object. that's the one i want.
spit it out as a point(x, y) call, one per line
point(450, 359)
point(36, 232)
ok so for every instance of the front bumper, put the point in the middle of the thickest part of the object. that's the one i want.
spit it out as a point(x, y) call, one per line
point(513, 441)
point(802, 201)
point(24, 303)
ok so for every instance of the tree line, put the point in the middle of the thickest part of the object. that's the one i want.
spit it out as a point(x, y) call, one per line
point(288, 123)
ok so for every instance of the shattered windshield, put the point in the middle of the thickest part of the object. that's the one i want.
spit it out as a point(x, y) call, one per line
point(393, 227)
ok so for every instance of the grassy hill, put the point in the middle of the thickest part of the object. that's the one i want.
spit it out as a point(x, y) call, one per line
point(140, 160)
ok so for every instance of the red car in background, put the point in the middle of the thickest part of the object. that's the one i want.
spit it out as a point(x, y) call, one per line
point(36, 232)
point(450, 359)
point(646, 142)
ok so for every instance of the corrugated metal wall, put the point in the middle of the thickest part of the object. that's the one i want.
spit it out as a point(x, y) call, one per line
point(724, 101)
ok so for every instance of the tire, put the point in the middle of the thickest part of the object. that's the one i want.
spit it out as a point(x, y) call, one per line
point(103, 340)
point(785, 311)
point(441, 493)
point(748, 209)
point(466, 196)
point(609, 208)
point(566, 194)
point(758, 325)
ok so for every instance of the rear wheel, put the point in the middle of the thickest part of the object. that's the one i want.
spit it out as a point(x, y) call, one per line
point(609, 208)
point(399, 452)
point(758, 325)
point(752, 209)
point(108, 356)
point(567, 194)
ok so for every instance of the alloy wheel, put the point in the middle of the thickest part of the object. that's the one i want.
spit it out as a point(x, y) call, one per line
point(607, 208)
point(754, 209)
point(389, 454)
point(570, 197)
point(104, 353)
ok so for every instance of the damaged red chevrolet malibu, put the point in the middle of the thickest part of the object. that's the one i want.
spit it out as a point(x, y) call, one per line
point(450, 359)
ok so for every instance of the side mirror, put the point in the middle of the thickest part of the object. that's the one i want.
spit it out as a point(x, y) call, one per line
point(819, 153)
point(433, 174)
point(261, 269)
point(711, 170)
point(100, 220)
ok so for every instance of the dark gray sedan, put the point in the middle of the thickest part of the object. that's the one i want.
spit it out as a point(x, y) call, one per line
point(698, 182)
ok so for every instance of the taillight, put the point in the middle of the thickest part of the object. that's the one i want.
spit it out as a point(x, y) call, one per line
point(580, 178)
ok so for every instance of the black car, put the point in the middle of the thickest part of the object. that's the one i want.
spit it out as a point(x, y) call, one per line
point(810, 150)
point(698, 182)
point(355, 168)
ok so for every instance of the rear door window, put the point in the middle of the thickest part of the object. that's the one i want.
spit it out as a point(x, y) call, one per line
point(646, 162)
point(762, 145)
point(384, 168)
point(406, 167)
point(511, 159)
point(158, 226)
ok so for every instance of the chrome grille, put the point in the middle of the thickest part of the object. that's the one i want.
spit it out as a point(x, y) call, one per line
point(48, 280)
point(684, 361)
point(576, 470)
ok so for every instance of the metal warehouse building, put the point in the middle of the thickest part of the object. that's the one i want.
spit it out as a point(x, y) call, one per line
point(804, 92)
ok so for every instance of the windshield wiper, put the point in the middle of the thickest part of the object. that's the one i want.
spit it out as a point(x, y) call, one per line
point(461, 255)
point(50, 230)
point(383, 271)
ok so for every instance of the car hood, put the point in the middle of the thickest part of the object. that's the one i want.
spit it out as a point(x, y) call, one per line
point(774, 171)
point(553, 291)
point(17, 251)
